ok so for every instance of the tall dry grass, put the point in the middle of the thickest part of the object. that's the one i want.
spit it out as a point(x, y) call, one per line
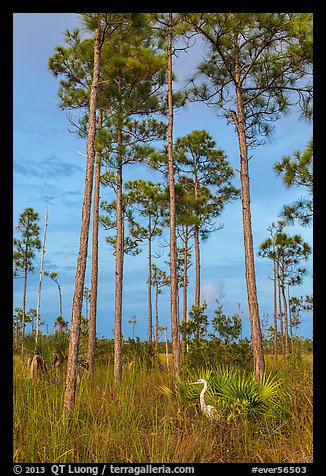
point(137, 423)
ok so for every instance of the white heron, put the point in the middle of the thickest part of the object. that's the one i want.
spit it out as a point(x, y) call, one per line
point(208, 410)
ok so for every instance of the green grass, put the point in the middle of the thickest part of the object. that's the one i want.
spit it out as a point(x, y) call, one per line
point(138, 423)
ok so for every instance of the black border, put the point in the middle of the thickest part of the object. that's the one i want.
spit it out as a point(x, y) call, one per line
point(6, 406)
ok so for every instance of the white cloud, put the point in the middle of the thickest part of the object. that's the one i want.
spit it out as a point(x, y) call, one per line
point(212, 290)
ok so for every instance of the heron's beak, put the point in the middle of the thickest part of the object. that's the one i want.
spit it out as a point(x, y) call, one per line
point(193, 383)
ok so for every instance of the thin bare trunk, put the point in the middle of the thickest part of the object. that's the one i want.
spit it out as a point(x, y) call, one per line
point(94, 279)
point(291, 327)
point(285, 313)
point(185, 285)
point(166, 348)
point(292, 338)
point(290, 322)
point(60, 300)
point(197, 260)
point(40, 280)
point(178, 305)
point(286, 327)
point(173, 242)
point(118, 271)
point(156, 318)
point(256, 335)
point(24, 310)
point(149, 289)
point(281, 314)
point(259, 364)
point(275, 311)
point(70, 388)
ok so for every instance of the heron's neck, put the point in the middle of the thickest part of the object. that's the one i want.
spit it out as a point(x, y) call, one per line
point(202, 399)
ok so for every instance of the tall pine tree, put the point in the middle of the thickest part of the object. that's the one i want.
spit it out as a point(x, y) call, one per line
point(257, 65)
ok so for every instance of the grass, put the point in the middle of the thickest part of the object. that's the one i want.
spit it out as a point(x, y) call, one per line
point(137, 423)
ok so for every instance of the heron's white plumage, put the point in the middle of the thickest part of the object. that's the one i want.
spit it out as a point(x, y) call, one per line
point(208, 410)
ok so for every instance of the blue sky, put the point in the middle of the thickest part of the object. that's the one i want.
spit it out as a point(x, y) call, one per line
point(49, 172)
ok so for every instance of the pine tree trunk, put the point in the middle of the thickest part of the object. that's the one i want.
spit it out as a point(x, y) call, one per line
point(40, 280)
point(166, 348)
point(156, 318)
point(286, 327)
point(197, 260)
point(70, 388)
point(292, 339)
point(185, 284)
point(94, 279)
point(173, 243)
point(275, 311)
point(281, 315)
point(24, 310)
point(149, 288)
point(290, 322)
point(291, 332)
point(60, 300)
point(256, 335)
point(118, 271)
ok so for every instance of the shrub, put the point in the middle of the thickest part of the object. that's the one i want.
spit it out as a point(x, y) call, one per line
point(237, 394)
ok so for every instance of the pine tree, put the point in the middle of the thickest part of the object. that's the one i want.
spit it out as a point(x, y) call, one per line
point(80, 89)
point(206, 175)
point(135, 74)
point(287, 251)
point(146, 199)
point(169, 28)
point(159, 280)
point(24, 253)
point(297, 171)
point(77, 91)
point(257, 66)
point(166, 26)
point(274, 229)
point(84, 234)
point(94, 274)
point(133, 322)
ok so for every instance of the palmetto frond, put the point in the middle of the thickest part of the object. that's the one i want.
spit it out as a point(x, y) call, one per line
point(237, 394)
